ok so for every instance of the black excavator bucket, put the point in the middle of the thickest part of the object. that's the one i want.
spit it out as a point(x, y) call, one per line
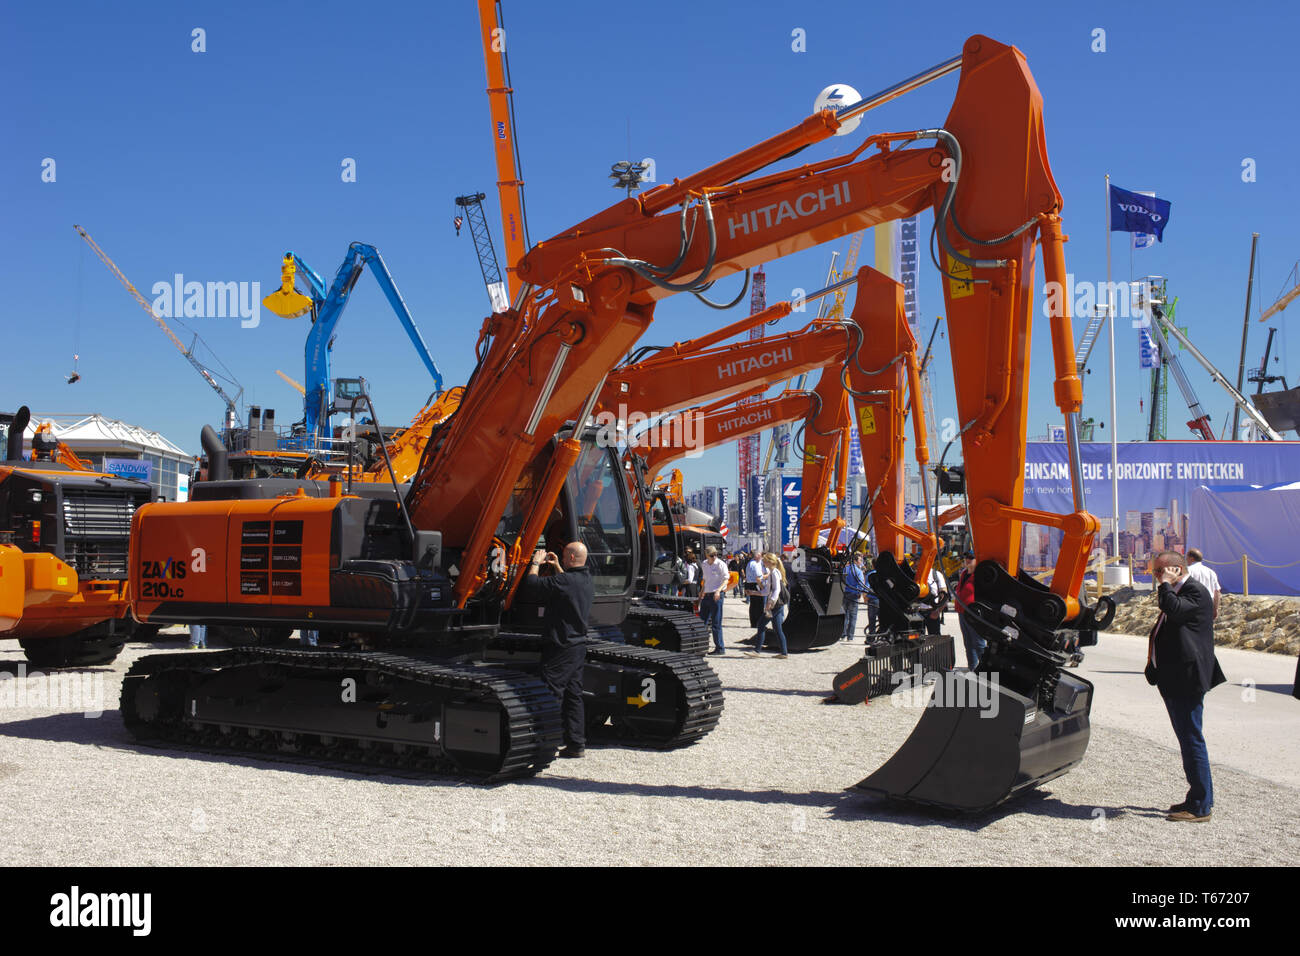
point(1017, 722)
point(815, 617)
point(895, 588)
point(887, 666)
point(979, 743)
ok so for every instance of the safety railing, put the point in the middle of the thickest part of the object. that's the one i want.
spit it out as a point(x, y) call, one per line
point(1246, 562)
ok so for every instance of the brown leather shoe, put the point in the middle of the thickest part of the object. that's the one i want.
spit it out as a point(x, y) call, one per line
point(1186, 816)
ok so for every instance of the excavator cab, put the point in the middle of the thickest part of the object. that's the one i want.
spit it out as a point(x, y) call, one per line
point(593, 508)
point(664, 544)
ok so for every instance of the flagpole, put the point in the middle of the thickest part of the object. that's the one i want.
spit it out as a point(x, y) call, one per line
point(1114, 425)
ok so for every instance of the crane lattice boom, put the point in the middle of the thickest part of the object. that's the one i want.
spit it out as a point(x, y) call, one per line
point(232, 412)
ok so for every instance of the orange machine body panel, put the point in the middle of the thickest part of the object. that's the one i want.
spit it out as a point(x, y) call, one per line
point(11, 587)
point(204, 560)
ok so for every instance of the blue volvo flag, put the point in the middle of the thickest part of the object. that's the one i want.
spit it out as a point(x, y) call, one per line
point(1134, 212)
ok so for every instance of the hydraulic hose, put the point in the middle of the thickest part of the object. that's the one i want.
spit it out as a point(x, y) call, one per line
point(734, 302)
point(643, 269)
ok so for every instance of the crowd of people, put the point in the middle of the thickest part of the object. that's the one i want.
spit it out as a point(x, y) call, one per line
point(1181, 662)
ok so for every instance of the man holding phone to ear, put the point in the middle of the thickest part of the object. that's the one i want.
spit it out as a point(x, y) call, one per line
point(1181, 663)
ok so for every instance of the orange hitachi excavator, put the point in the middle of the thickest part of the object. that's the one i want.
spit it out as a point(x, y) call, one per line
point(703, 370)
point(708, 426)
point(814, 618)
point(870, 357)
point(434, 575)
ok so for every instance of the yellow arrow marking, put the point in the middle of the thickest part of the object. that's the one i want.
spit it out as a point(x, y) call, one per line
point(653, 641)
point(637, 702)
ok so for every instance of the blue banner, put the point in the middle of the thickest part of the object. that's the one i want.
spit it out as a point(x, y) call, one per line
point(907, 266)
point(1157, 484)
point(1148, 351)
point(1250, 531)
point(742, 510)
point(856, 466)
point(136, 468)
point(757, 506)
point(791, 497)
point(1134, 212)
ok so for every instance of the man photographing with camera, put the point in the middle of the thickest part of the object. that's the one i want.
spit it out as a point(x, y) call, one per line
point(1182, 665)
point(565, 598)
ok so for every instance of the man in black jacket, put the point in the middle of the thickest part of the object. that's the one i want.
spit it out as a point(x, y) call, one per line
point(566, 599)
point(1182, 657)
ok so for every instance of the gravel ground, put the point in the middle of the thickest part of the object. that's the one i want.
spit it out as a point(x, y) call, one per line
point(767, 786)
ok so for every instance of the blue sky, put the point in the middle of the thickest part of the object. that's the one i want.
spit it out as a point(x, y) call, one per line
point(212, 164)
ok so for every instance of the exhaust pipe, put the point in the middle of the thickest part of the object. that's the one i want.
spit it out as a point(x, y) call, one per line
point(14, 451)
point(218, 469)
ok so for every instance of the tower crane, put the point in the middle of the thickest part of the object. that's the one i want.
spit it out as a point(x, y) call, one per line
point(232, 415)
point(487, 253)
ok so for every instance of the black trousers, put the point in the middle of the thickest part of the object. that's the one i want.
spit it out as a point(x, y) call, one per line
point(562, 673)
point(756, 613)
point(933, 625)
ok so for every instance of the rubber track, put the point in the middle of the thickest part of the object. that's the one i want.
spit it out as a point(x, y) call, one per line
point(701, 689)
point(703, 692)
point(692, 634)
point(533, 713)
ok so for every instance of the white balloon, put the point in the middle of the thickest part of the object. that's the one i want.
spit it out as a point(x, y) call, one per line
point(836, 97)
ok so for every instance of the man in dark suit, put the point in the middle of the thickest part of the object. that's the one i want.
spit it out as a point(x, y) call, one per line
point(1183, 666)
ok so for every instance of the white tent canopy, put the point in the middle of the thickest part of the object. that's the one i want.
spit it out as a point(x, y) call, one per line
point(95, 431)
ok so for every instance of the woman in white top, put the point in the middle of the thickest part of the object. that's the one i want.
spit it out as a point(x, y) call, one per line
point(691, 582)
point(772, 585)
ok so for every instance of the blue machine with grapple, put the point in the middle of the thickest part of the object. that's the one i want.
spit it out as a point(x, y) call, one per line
point(326, 308)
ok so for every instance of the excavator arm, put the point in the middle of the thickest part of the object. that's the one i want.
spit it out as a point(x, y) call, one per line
point(327, 308)
point(826, 453)
point(882, 380)
point(722, 425)
point(591, 294)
